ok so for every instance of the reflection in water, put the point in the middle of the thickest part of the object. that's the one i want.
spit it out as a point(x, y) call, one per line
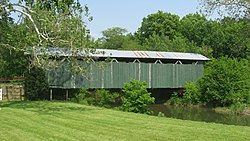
point(199, 114)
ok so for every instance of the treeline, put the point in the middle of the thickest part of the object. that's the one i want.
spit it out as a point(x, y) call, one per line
point(195, 33)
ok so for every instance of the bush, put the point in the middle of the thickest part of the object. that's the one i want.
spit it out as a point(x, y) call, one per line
point(192, 93)
point(226, 82)
point(81, 95)
point(99, 97)
point(237, 108)
point(36, 86)
point(175, 100)
point(136, 97)
point(105, 98)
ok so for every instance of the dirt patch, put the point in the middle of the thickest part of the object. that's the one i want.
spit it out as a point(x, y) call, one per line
point(246, 112)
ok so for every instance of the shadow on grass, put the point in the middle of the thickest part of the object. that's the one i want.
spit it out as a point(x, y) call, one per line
point(47, 107)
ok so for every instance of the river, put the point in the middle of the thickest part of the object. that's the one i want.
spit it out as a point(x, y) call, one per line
point(199, 114)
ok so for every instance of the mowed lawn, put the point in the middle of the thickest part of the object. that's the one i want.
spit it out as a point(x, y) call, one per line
point(44, 120)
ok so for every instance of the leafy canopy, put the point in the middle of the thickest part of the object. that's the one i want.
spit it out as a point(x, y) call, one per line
point(160, 23)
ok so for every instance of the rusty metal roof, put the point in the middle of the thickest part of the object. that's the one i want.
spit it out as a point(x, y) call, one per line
point(148, 54)
point(124, 54)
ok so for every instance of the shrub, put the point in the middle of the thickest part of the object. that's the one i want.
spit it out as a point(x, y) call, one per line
point(99, 97)
point(36, 85)
point(160, 114)
point(175, 99)
point(226, 82)
point(237, 108)
point(192, 93)
point(136, 97)
point(81, 95)
point(105, 98)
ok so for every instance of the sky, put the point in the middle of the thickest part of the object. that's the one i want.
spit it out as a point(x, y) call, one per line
point(128, 14)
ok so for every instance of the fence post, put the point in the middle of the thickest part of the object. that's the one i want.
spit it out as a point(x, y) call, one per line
point(67, 94)
point(7, 92)
point(20, 91)
point(51, 94)
point(1, 94)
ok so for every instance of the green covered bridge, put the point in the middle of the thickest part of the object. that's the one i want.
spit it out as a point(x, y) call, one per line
point(158, 69)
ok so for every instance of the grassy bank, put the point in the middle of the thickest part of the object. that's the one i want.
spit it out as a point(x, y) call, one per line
point(227, 110)
point(44, 120)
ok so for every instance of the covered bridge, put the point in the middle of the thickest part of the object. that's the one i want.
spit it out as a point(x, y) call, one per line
point(112, 68)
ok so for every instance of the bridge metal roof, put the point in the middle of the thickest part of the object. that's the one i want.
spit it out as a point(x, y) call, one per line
point(124, 54)
point(149, 54)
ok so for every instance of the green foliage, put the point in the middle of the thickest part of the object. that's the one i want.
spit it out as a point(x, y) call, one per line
point(81, 95)
point(43, 24)
point(136, 97)
point(36, 86)
point(230, 38)
point(115, 38)
point(160, 114)
point(181, 44)
point(163, 43)
point(191, 96)
point(192, 93)
point(248, 99)
point(175, 99)
point(105, 98)
point(226, 81)
point(99, 97)
point(237, 108)
point(12, 60)
point(160, 23)
point(112, 32)
point(131, 43)
point(198, 26)
point(158, 43)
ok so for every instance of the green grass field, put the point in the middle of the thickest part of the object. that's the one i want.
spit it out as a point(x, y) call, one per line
point(44, 120)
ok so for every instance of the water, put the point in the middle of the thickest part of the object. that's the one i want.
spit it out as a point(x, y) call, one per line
point(199, 114)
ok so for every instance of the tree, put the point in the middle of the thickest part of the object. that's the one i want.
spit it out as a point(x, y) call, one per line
point(196, 28)
point(113, 38)
point(113, 32)
point(132, 43)
point(43, 24)
point(163, 43)
point(235, 8)
point(230, 38)
point(160, 23)
point(158, 43)
point(10, 57)
point(36, 86)
point(116, 38)
point(50, 24)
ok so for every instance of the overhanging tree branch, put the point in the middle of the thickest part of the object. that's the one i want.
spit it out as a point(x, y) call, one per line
point(234, 8)
point(8, 8)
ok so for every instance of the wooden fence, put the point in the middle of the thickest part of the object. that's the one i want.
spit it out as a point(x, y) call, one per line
point(12, 92)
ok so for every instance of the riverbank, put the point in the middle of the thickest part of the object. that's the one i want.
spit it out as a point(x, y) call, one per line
point(44, 120)
point(200, 113)
point(246, 112)
point(226, 110)
point(222, 110)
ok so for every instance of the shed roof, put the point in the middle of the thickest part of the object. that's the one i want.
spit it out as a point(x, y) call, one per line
point(126, 54)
